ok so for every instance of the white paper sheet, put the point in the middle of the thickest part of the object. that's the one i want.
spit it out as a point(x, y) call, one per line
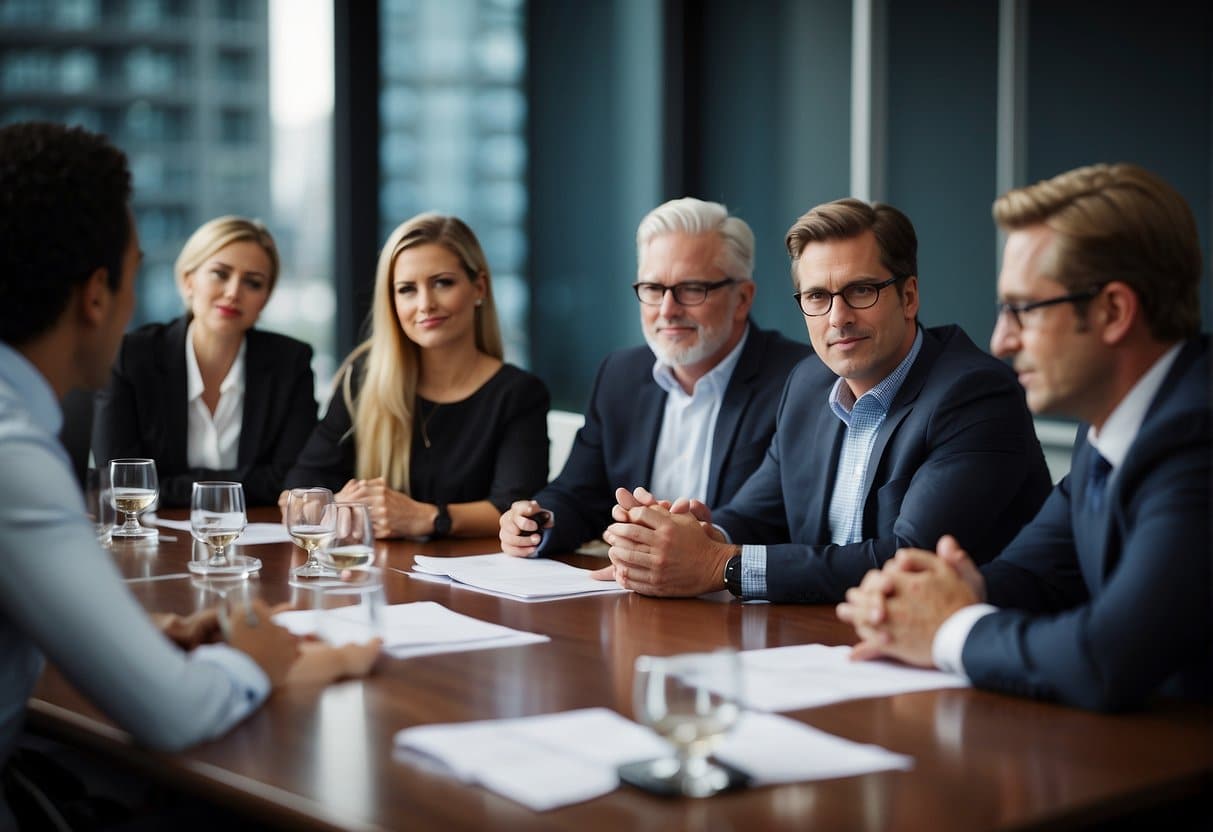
point(416, 629)
point(810, 675)
point(556, 759)
point(525, 578)
point(254, 534)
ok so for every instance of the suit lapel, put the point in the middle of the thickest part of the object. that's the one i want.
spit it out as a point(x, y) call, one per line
point(737, 395)
point(1103, 546)
point(902, 406)
point(650, 408)
point(174, 385)
point(257, 372)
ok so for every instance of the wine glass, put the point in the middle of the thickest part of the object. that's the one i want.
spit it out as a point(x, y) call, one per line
point(217, 517)
point(349, 609)
point(692, 700)
point(308, 526)
point(352, 543)
point(133, 489)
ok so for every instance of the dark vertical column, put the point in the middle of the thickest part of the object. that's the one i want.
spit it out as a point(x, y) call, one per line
point(356, 163)
point(681, 109)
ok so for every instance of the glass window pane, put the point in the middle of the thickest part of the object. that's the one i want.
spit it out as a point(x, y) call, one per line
point(452, 111)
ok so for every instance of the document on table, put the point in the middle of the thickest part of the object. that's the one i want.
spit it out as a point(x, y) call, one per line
point(527, 579)
point(416, 629)
point(810, 675)
point(556, 759)
point(254, 533)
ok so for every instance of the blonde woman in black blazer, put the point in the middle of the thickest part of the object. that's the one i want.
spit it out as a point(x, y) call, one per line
point(226, 273)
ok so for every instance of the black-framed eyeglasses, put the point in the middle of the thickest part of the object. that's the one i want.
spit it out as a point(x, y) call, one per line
point(690, 293)
point(817, 302)
point(1014, 310)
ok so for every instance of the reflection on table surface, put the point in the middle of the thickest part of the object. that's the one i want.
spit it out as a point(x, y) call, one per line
point(322, 758)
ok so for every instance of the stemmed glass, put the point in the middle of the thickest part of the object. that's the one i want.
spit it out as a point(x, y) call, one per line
point(217, 517)
point(352, 543)
point(134, 488)
point(691, 700)
point(310, 527)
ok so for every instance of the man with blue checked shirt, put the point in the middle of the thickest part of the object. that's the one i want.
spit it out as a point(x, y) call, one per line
point(916, 432)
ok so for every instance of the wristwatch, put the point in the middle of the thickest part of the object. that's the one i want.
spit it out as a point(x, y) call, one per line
point(442, 522)
point(732, 575)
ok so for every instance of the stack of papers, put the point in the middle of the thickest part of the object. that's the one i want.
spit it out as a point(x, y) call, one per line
point(417, 629)
point(811, 675)
point(553, 760)
point(523, 579)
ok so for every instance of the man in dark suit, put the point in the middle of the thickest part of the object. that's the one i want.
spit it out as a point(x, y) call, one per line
point(1104, 598)
point(695, 421)
point(919, 433)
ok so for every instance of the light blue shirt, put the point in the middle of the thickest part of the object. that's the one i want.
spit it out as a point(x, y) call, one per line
point(863, 418)
point(682, 463)
point(62, 596)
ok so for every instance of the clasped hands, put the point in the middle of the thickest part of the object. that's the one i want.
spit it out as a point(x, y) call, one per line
point(664, 548)
point(393, 514)
point(897, 610)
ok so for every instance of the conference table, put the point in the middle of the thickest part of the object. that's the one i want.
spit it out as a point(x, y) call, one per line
point(323, 758)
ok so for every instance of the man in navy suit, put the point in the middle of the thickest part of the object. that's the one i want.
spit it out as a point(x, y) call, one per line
point(1104, 598)
point(915, 433)
point(695, 421)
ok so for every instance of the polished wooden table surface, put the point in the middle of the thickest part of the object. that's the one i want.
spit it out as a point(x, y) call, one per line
point(323, 758)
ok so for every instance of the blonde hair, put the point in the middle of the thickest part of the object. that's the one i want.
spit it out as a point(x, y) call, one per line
point(218, 234)
point(383, 411)
point(1118, 222)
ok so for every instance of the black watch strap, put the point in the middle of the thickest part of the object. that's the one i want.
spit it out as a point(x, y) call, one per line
point(732, 575)
point(442, 522)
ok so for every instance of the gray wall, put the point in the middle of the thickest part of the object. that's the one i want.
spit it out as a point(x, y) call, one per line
point(749, 102)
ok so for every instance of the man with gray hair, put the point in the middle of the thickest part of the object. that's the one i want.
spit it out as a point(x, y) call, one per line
point(697, 420)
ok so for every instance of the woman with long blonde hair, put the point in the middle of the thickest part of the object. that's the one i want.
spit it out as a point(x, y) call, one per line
point(427, 424)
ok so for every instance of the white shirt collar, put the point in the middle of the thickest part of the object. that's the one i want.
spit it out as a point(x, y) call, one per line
point(716, 379)
point(234, 380)
point(1122, 425)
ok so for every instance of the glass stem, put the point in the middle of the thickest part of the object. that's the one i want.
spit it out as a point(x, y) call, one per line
point(218, 556)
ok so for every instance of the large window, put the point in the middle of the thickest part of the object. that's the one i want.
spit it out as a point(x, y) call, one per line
point(211, 125)
point(452, 114)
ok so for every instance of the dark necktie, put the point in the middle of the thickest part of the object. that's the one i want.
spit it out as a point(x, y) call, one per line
point(1097, 481)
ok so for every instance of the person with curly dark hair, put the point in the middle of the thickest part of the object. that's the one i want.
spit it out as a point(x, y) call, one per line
point(69, 251)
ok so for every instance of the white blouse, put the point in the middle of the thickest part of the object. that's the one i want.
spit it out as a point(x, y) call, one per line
point(213, 440)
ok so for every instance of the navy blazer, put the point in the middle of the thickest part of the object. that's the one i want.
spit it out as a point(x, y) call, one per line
point(618, 442)
point(1102, 609)
point(956, 454)
point(144, 411)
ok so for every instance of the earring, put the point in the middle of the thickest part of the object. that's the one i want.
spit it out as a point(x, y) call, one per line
point(479, 301)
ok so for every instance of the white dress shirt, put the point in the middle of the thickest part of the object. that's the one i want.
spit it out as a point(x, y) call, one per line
point(60, 595)
point(213, 440)
point(1112, 443)
point(682, 463)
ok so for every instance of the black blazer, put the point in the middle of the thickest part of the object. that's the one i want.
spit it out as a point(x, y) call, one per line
point(144, 411)
point(623, 422)
point(956, 454)
point(1103, 608)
